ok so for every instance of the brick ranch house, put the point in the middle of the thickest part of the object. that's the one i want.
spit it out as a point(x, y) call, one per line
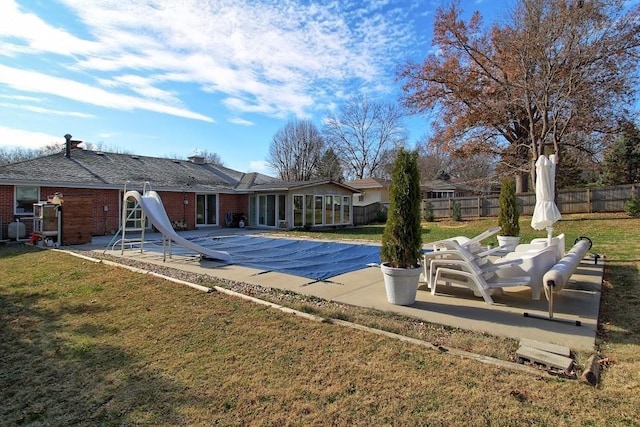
point(195, 194)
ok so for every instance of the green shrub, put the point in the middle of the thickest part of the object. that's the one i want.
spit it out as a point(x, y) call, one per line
point(509, 216)
point(632, 206)
point(456, 213)
point(428, 212)
point(381, 215)
point(402, 236)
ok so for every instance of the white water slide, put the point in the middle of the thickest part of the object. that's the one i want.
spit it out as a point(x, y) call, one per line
point(152, 207)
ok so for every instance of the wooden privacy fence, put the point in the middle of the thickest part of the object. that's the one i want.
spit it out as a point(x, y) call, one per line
point(367, 214)
point(586, 200)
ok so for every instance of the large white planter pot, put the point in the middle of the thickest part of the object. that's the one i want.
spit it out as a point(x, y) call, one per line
point(508, 242)
point(401, 284)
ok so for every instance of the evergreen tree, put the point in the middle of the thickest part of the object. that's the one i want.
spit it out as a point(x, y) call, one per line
point(329, 166)
point(509, 216)
point(402, 236)
point(622, 161)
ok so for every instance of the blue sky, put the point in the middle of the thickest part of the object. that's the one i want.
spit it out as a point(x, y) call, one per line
point(166, 77)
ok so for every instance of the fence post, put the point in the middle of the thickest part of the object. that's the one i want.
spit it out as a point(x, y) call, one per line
point(589, 200)
point(479, 207)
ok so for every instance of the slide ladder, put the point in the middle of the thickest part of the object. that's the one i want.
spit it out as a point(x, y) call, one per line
point(152, 208)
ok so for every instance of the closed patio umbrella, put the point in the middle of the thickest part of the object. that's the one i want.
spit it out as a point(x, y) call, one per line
point(545, 213)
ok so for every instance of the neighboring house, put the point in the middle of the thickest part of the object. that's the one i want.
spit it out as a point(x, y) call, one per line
point(371, 190)
point(376, 190)
point(194, 193)
point(440, 189)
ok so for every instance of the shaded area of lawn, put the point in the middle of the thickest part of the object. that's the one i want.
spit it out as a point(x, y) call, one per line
point(63, 362)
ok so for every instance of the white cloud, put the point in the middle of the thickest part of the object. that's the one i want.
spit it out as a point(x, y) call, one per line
point(19, 138)
point(259, 166)
point(41, 110)
point(241, 122)
point(37, 36)
point(272, 58)
point(106, 135)
point(31, 81)
point(21, 98)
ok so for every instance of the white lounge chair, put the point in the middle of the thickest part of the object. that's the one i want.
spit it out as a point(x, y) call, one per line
point(472, 244)
point(452, 249)
point(456, 265)
point(558, 242)
point(481, 281)
point(533, 264)
point(514, 269)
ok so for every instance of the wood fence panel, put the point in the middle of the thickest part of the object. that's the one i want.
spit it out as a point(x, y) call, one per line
point(366, 214)
point(585, 200)
point(573, 201)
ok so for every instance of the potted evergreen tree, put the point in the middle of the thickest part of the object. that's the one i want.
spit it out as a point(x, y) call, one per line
point(402, 238)
point(509, 217)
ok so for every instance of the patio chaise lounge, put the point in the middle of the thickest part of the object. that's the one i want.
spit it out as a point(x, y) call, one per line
point(472, 244)
point(558, 242)
point(456, 265)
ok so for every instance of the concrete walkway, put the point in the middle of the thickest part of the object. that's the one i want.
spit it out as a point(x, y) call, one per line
point(455, 307)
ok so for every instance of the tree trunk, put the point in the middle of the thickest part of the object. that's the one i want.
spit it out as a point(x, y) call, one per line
point(522, 183)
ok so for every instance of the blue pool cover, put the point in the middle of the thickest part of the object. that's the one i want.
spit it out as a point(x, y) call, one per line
point(318, 260)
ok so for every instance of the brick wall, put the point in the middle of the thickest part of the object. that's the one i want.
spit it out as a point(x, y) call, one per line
point(6, 207)
point(234, 203)
point(105, 209)
point(103, 222)
point(177, 210)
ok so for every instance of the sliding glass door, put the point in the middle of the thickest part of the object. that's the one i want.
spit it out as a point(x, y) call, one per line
point(206, 209)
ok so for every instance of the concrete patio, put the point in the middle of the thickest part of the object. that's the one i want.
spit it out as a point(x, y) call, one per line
point(455, 307)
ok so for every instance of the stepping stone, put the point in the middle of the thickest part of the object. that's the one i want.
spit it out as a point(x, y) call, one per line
point(544, 357)
point(548, 347)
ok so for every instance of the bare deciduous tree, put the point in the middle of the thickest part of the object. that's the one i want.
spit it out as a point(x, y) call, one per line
point(560, 67)
point(104, 147)
point(362, 133)
point(295, 151)
point(14, 155)
point(212, 158)
point(432, 159)
point(475, 170)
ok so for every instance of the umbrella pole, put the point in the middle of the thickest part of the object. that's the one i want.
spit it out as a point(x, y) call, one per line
point(549, 235)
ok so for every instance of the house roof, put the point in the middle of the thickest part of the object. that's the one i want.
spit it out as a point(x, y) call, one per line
point(298, 185)
point(94, 169)
point(362, 184)
point(440, 185)
point(435, 185)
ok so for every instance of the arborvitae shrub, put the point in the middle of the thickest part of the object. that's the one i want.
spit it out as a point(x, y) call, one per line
point(457, 211)
point(509, 216)
point(402, 237)
point(632, 206)
point(428, 212)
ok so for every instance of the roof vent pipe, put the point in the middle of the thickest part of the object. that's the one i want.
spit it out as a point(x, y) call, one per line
point(67, 150)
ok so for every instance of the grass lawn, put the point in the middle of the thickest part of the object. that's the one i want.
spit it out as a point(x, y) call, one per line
point(88, 344)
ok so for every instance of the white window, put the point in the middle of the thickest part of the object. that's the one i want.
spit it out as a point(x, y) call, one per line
point(346, 209)
point(298, 210)
point(25, 198)
point(133, 219)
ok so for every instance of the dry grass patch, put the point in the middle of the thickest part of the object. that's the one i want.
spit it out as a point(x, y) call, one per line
point(87, 344)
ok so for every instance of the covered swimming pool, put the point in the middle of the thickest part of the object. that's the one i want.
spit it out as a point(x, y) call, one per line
point(313, 259)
